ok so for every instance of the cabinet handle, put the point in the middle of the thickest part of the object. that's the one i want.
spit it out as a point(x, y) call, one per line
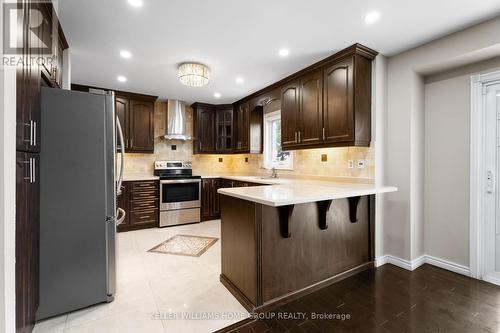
point(34, 133)
point(299, 136)
point(30, 124)
point(30, 176)
point(33, 170)
point(324, 136)
point(295, 136)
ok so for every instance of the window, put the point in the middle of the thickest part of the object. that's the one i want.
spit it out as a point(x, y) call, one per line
point(274, 157)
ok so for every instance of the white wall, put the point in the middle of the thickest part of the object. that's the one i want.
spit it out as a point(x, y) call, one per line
point(404, 210)
point(378, 142)
point(447, 154)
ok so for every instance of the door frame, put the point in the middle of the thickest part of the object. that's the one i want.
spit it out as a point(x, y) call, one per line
point(479, 83)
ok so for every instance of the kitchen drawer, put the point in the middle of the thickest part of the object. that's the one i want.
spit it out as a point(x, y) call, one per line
point(144, 217)
point(144, 205)
point(143, 195)
point(145, 185)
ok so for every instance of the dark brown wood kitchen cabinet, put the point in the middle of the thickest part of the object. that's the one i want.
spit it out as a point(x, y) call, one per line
point(204, 128)
point(224, 130)
point(136, 116)
point(329, 106)
point(27, 239)
point(290, 115)
point(210, 205)
point(140, 200)
point(338, 112)
point(141, 126)
point(242, 125)
point(227, 129)
point(310, 127)
point(50, 33)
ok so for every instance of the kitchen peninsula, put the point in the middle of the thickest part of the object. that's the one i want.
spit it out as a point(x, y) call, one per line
point(285, 240)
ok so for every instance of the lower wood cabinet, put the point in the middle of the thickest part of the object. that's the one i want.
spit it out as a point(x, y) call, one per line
point(140, 200)
point(27, 239)
point(210, 199)
point(210, 207)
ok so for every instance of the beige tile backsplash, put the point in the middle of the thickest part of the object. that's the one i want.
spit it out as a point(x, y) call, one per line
point(306, 162)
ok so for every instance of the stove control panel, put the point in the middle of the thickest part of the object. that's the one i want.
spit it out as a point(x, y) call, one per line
point(166, 165)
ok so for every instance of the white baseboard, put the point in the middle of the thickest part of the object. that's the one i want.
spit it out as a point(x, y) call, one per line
point(425, 259)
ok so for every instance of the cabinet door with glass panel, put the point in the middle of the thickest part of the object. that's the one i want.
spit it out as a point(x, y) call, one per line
point(274, 155)
point(224, 128)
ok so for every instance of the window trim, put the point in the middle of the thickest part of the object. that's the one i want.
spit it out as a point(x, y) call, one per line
point(267, 162)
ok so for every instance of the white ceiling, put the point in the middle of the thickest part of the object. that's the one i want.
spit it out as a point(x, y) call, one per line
point(241, 38)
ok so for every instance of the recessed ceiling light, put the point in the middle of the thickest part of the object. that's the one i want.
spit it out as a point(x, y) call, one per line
point(121, 78)
point(240, 80)
point(217, 95)
point(284, 52)
point(135, 3)
point(372, 17)
point(125, 54)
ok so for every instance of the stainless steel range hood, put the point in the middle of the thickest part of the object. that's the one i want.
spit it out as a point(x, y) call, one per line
point(176, 121)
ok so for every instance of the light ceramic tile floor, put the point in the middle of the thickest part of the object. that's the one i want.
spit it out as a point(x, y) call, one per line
point(153, 288)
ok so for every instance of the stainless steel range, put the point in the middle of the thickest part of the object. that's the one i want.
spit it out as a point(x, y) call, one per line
point(180, 193)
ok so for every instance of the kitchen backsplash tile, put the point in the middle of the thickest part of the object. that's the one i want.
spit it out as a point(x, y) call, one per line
point(306, 162)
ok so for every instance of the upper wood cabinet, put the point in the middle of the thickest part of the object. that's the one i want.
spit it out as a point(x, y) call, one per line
point(204, 128)
point(327, 104)
point(290, 115)
point(249, 129)
point(338, 111)
point(242, 125)
point(141, 126)
point(135, 113)
point(301, 112)
point(330, 106)
point(224, 128)
point(50, 33)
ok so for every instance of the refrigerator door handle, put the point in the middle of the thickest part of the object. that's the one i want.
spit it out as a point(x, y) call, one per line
point(122, 153)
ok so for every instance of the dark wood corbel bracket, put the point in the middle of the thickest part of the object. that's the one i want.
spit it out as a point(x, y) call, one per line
point(285, 215)
point(323, 207)
point(353, 208)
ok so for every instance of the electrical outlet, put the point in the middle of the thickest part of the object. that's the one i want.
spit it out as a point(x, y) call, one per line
point(174, 147)
point(221, 160)
point(351, 164)
point(361, 164)
point(324, 157)
point(246, 159)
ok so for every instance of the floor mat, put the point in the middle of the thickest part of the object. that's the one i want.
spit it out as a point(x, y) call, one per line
point(185, 245)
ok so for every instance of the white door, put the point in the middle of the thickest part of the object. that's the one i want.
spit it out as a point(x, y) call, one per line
point(491, 227)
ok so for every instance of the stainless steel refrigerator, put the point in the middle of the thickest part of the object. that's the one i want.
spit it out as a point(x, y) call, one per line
point(77, 201)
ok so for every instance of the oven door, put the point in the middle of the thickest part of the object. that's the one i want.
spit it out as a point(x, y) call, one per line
point(180, 194)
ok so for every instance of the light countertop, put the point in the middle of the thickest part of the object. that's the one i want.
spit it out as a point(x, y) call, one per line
point(138, 176)
point(297, 191)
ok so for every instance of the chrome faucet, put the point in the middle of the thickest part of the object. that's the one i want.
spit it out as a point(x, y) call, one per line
point(275, 173)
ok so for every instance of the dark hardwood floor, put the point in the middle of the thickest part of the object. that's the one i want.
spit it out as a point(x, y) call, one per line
point(391, 299)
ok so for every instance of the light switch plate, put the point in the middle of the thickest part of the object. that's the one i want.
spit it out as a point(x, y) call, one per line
point(351, 164)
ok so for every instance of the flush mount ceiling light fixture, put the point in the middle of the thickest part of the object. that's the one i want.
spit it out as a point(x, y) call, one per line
point(193, 74)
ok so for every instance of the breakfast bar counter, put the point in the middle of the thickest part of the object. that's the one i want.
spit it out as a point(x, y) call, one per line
point(281, 241)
